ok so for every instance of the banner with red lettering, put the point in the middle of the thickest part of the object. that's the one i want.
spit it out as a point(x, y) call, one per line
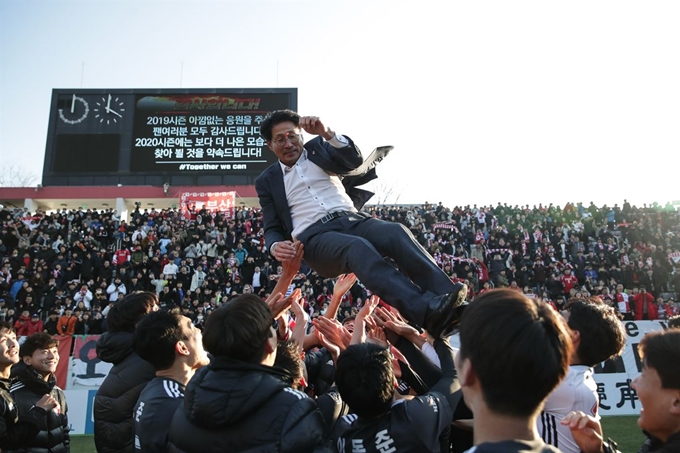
point(192, 202)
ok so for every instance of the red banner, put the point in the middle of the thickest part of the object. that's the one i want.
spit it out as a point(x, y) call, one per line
point(192, 202)
point(64, 358)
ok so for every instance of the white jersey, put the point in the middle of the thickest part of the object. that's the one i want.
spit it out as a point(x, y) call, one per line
point(578, 392)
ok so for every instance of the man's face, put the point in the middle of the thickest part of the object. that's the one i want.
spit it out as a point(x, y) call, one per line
point(9, 348)
point(349, 325)
point(44, 361)
point(194, 343)
point(286, 142)
point(656, 403)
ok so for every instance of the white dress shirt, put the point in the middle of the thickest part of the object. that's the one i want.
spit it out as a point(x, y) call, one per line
point(312, 192)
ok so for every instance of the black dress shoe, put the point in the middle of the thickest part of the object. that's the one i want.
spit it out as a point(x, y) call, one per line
point(445, 312)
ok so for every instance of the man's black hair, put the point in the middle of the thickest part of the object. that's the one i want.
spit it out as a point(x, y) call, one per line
point(239, 329)
point(40, 340)
point(602, 333)
point(661, 350)
point(288, 357)
point(518, 347)
point(156, 336)
point(276, 117)
point(365, 379)
point(127, 312)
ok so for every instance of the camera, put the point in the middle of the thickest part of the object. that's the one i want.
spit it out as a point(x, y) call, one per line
point(138, 203)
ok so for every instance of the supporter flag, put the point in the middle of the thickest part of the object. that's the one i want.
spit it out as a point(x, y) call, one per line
point(64, 353)
point(192, 202)
point(88, 369)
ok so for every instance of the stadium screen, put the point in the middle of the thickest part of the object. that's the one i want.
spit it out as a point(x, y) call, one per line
point(161, 132)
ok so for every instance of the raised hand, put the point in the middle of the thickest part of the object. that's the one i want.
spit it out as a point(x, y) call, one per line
point(334, 331)
point(368, 307)
point(313, 125)
point(331, 347)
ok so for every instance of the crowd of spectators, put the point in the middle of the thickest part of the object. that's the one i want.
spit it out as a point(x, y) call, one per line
point(61, 271)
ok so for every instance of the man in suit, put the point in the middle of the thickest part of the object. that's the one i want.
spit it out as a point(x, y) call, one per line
point(310, 198)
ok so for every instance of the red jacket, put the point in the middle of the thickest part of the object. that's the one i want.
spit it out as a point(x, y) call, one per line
point(638, 300)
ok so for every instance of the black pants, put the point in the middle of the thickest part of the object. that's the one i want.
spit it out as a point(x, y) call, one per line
point(357, 243)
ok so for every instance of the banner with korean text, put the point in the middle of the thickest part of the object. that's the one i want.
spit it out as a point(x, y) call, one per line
point(191, 203)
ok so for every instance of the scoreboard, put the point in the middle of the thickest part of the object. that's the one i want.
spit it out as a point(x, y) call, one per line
point(150, 137)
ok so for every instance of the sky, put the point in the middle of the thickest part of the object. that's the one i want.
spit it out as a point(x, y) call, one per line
point(518, 102)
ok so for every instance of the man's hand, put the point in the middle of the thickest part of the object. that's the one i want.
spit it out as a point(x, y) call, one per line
point(367, 310)
point(333, 331)
point(344, 284)
point(586, 430)
point(278, 304)
point(313, 125)
point(47, 403)
point(286, 250)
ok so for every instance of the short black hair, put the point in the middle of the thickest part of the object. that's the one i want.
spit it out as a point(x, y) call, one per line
point(288, 357)
point(365, 379)
point(602, 333)
point(127, 312)
point(661, 350)
point(40, 340)
point(518, 347)
point(7, 326)
point(156, 336)
point(276, 117)
point(239, 329)
point(674, 321)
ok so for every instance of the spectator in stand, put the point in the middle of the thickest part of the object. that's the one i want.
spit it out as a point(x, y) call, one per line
point(84, 295)
point(505, 388)
point(35, 325)
point(644, 307)
point(67, 323)
point(118, 394)
point(40, 355)
point(174, 347)
point(21, 325)
point(51, 325)
point(115, 288)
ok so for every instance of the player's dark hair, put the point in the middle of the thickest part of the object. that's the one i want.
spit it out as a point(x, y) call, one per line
point(126, 313)
point(239, 329)
point(276, 117)
point(7, 326)
point(519, 349)
point(674, 321)
point(661, 350)
point(37, 341)
point(156, 336)
point(365, 379)
point(602, 333)
point(288, 357)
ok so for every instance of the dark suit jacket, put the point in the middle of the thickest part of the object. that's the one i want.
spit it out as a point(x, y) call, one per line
point(278, 224)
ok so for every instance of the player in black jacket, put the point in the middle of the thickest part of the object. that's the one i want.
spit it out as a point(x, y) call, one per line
point(40, 355)
point(16, 431)
point(173, 345)
point(240, 402)
point(118, 394)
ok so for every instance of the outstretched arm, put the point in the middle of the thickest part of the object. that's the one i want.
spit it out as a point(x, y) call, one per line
point(344, 283)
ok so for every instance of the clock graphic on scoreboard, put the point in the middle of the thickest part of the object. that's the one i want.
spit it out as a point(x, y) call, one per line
point(109, 109)
point(73, 110)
